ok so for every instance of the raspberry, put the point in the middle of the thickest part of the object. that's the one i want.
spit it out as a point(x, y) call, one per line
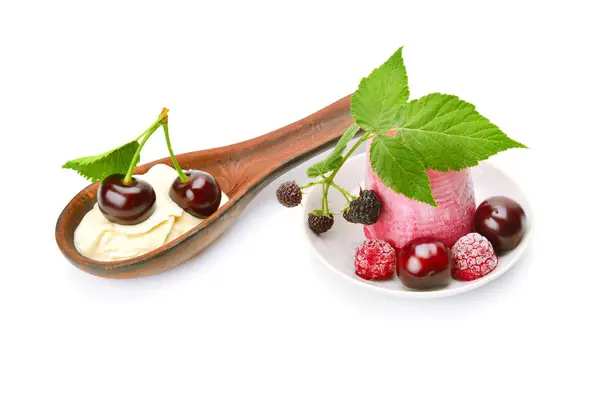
point(319, 223)
point(289, 194)
point(473, 257)
point(364, 210)
point(375, 259)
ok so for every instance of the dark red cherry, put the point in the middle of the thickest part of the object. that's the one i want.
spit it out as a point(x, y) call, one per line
point(126, 203)
point(424, 264)
point(502, 221)
point(199, 196)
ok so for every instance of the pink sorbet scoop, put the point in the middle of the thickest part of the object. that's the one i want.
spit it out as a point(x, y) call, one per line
point(403, 219)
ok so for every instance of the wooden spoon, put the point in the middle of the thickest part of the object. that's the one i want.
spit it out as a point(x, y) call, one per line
point(242, 170)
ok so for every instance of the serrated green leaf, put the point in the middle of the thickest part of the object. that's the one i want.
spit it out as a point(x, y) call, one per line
point(322, 167)
point(96, 168)
point(448, 133)
point(400, 169)
point(334, 160)
point(380, 96)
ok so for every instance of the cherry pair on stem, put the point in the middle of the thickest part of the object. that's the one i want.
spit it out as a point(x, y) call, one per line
point(126, 200)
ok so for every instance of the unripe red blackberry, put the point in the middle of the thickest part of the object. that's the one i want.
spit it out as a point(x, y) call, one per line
point(319, 223)
point(289, 194)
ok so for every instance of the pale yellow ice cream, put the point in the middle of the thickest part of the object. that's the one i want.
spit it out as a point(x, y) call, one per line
point(102, 240)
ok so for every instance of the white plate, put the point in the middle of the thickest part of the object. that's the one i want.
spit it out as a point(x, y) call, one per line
point(336, 247)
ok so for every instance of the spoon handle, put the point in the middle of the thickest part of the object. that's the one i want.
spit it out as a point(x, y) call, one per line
point(266, 157)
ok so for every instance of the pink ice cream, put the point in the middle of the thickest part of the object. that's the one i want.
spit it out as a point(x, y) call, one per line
point(403, 219)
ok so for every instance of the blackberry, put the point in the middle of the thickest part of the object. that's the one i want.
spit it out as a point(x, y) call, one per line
point(346, 215)
point(289, 194)
point(364, 210)
point(319, 223)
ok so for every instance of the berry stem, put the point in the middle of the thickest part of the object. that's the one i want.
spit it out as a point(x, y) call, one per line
point(310, 184)
point(146, 135)
point(362, 139)
point(329, 180)
point(326, 199)
point(183, 177)
point(347, 195)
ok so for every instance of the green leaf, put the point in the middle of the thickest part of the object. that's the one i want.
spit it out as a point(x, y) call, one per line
point(448, 133)
point(96, 168)
point(400, 169)
point(380, 96)
point(334, 160)
point(324, 166)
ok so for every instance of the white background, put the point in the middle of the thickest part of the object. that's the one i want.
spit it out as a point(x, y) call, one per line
point(256, 315)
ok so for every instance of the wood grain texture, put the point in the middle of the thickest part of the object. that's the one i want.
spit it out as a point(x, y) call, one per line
point(241, 169)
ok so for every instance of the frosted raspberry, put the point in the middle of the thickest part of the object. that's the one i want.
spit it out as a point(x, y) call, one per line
point(473, 257)
point(375, 259)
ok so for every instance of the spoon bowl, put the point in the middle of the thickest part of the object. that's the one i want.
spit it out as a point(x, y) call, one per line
point(242, 171)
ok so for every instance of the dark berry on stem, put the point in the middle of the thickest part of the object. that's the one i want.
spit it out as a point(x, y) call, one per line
point(200, 196)
point(289, 194)
point(364, 210)
point(126, 203)
point(424, 264)
point(320, 223)
point(502, 221)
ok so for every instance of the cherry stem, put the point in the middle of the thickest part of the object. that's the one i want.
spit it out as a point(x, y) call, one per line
point(146, 135)
point(142, 135)
point(182, 176)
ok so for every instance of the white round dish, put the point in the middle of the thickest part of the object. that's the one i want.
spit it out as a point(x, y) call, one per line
point(336, 247)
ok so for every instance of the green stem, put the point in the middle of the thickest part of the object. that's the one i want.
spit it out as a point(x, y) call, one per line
point(146, 135)
point(362, 139)
point(142, 135)
point(347, 195)
point(329, 179)
point(326, 199)
point(182, 176)
point(310, 184)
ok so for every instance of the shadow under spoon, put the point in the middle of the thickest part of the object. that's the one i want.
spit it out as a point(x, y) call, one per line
point(242, 170)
